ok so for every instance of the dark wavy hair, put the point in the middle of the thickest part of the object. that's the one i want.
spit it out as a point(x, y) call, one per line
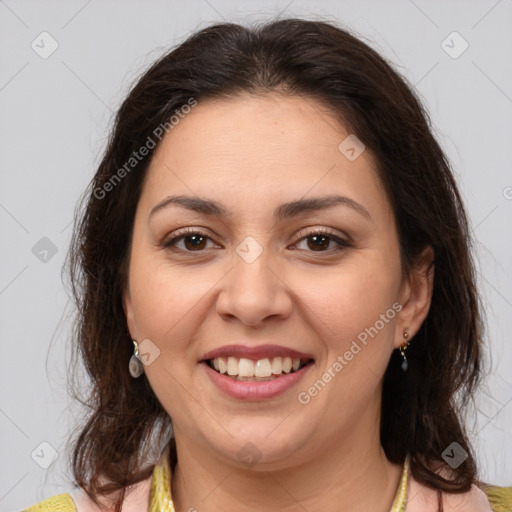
point(422, 409)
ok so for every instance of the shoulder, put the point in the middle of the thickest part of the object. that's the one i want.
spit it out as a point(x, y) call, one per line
point(500, 498)
point(473, 500)
point(60, 502)
point(421, 498)
point(487, 498)
point(136, 500)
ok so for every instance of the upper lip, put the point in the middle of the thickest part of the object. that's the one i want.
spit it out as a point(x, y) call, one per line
point(255, 352)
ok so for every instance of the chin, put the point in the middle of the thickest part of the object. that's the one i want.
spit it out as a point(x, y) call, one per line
point(263, 449)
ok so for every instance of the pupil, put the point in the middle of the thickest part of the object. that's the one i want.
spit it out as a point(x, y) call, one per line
point(197, 240)
point(317, 238)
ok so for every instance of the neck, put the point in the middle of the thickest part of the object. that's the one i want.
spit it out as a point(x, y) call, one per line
point(352, 476)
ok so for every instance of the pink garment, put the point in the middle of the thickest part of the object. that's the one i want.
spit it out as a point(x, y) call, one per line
point(423, 499)
point(136, 501)
point(419, 499)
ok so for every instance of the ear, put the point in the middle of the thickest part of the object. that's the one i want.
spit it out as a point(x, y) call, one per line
point(129, 313)
point(415, 296)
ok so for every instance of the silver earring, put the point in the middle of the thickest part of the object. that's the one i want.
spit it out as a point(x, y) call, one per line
point(135, 366)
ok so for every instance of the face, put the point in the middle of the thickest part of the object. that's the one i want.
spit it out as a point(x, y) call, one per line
point(257, 277)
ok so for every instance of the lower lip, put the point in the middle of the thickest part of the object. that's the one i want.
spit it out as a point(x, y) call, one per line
point(261, 390)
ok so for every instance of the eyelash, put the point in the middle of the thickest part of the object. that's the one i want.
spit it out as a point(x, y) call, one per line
point(180, 235)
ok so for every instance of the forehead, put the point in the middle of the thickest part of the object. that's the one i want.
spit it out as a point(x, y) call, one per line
point(261, 148)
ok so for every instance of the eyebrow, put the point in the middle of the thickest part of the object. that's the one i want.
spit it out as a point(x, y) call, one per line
point(284, 211)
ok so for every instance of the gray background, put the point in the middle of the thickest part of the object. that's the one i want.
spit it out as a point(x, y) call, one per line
point(55, 113)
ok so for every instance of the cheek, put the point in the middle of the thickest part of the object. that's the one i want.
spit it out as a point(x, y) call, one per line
point(166, 303)
point(353, 296)
point(165, 300)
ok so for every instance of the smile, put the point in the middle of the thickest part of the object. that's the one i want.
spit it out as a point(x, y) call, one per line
point(268, 368)
point(253, 388)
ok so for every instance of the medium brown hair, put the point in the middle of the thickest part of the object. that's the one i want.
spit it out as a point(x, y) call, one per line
point(421, 408)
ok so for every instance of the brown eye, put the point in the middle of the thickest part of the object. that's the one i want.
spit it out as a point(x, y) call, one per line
point(196, 242)
point(320, 241)
point(193, 241)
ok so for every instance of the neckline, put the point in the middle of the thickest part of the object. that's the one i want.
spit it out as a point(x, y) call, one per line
point(160, 498)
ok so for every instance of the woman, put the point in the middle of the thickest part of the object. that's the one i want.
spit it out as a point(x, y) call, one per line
point(276, 290)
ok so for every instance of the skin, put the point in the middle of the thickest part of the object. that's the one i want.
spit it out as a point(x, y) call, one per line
point(251, 154)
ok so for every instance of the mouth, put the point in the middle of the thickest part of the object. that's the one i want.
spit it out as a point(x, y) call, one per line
point(257, 370)
point(254, 373)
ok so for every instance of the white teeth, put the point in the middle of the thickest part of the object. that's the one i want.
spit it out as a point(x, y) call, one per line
point(262, 368)
point(243, 367)
point(232, 366)
point(277, 365)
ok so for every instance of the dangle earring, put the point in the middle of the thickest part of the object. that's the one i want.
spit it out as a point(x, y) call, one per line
point(402, 349)
point(135, 366)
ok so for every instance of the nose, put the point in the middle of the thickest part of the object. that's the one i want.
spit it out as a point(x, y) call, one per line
point(253, 292)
